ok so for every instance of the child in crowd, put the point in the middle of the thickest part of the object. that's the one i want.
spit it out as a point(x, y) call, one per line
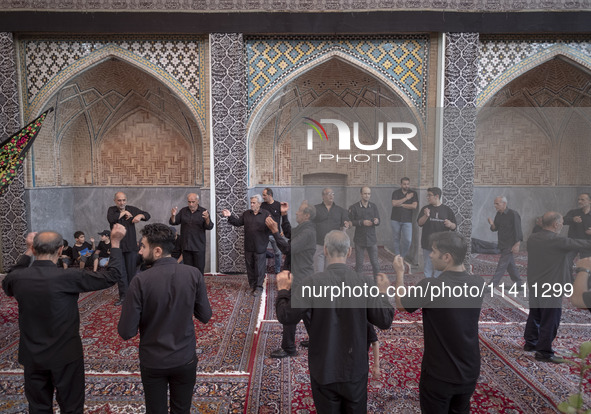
point(82, 250)
point(103, 251)
point(65, 259)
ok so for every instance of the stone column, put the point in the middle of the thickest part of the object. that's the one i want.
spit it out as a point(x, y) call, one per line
point(459, 126)
point(228, 105)
point(13, 220)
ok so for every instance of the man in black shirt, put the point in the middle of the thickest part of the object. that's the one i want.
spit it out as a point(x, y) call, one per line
point(329, 217)
point(194, 220)
point(507, 224)
point(273, 207)
point(404, 202)
point(127, 216)
point(161, 303)
point(365, 217)
point(299, 259)
point(337, 357)
point(256, 238)
point(50, 347)
point(433, 218)
point(451, 359)
point(579, 225)
point(547, 269)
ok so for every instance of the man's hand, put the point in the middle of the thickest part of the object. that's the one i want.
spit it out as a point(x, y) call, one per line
point(173, 211)
point(449, 224)
point(491, 222)
point(383, 282)
point(126, 214)
point(138, 218)
point(515, 248)
point(376, 221)
point(426, 212)
point(284, 208)
point(272, 224)
point(586, 263)
point(284, 280)
point(398, 264)
point(367, 223)
point(226, 213)
point(117, 233)
point(375, 372)
point(577, 219)
point(347, 224)
point(205, 215)
point(588, 231)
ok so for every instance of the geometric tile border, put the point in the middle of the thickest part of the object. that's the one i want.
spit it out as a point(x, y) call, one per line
point(228, 106)
point(459, 126)
point(175, 60)
point(504, 58)
point(400, 60)
point(13, 220)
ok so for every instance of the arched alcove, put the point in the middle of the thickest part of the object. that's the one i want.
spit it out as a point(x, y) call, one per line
point(338, 88)
point(114, 123)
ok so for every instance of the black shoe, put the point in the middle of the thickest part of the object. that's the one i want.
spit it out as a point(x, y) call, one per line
point(280, 353)
point(257, 291)
point(554, 359)
point(529, 347)
point(305, 344)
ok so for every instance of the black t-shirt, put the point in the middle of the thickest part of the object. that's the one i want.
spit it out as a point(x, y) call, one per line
point(450, 323)
point(77, 251)
point(401, 214)
point(275, 209)
point(434, 224)
point(104, 249)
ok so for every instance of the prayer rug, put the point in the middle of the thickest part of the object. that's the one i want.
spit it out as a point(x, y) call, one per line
point(283, 385)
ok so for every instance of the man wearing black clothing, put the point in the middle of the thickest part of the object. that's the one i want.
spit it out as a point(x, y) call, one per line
point(507, 224)
point(337, 357)
point(273, 207)
point(404, 202)
point(161, 303)
point(579, 225)
point(194, 220)
point(299, 258)
point(547, 265)
point(50, 347)
point(329, 217)
point(127, 216)
point(451, 359)
point(256, 238)
point(365, 217)
point(433, 218)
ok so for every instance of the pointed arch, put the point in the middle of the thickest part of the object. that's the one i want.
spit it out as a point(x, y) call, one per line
point(558, 50)
point(53, 86)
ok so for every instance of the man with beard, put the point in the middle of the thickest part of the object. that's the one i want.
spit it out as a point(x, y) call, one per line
point(161, 303)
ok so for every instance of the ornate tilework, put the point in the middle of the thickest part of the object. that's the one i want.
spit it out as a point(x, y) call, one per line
point(399, 60)
point(459, 126)
point(503, 58)
point(228, 106)
point(173, 59)
point(13, 221)
point(301, 6)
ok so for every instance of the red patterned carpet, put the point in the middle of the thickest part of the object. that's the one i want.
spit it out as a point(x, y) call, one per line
point(237, 375)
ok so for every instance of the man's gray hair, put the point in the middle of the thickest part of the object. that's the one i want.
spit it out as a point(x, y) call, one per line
point(258, 197)
point(47, 242)
point(337, 243)
point(503, 199)
point(310, 210)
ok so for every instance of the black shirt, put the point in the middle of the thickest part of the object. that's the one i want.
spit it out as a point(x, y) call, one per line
point(401, 214)
point(129, 242)
point(48, 315)
point(104, 249)
point(327, 220)
point(452, 351)
point(577, 230)
point(275, 209)
point(76, 250)
point(434, 224)
point(364, 235)
point(161, 303)
point(193, 228)
point(256, 232)
point(508, 226)
point(338, 334)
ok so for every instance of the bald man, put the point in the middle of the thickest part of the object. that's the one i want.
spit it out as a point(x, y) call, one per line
point(194, 220)
point(50, 348)
point(128, 216)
